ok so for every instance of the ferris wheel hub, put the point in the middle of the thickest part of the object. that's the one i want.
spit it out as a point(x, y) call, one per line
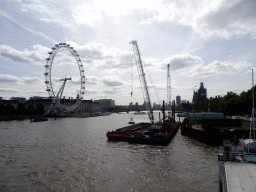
point(65, 79)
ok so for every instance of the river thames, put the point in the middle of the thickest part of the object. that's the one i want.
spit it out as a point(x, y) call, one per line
point(74, 154)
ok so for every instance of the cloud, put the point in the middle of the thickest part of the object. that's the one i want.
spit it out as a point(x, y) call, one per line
point(33, 7)
point(47, 20)
point(27, 28)
point(95, 54)
point(86, 14)
point(112, 83)
point(109, 92)
point(194, 66)
point(219, 18)
point(8, 90)
point(181, 61)
point(31, 80)
point(8, 78)
point(91, 80)
point(208, 18)
point(100, 56)
point(217, 68)
point(233, 18)
point(36, 56)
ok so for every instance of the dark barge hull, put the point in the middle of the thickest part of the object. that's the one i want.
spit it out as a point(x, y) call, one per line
point(123, 133)
point(154, 141)
point(211, 137)
point(200, 135)
point(214, 131)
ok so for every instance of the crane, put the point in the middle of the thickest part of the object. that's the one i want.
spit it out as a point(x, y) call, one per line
point(142, 78)
point(168, 88)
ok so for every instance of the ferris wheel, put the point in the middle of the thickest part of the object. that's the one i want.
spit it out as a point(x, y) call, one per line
point(64, 74)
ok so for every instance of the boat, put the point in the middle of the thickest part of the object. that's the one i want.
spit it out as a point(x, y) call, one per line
point(139, 113)
point(182, 115)
point(159, 133)
point(212, 131)
point(155, 134)
point(248, 144)
point(39, 119)
point(205, 115)
point(123, 133)
point(106, 113)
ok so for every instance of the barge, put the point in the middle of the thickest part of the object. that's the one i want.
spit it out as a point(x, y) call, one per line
point(146, 133)
point(123, 133)
point(212, 131)
point(155, 134)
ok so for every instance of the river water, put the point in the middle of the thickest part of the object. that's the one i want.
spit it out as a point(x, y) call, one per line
point(73, 154)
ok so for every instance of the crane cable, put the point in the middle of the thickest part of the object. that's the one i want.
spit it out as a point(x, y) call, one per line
point(151, 81)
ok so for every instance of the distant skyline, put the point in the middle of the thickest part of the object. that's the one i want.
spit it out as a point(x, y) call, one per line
point(213, 42)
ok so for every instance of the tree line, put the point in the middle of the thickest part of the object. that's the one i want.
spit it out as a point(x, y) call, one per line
point(9, 109)
point(230, 104)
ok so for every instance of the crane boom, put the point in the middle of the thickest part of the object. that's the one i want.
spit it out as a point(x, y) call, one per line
point(142, 78)
point(168, 85)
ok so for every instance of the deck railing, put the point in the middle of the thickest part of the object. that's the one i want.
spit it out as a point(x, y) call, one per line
point(237, 154)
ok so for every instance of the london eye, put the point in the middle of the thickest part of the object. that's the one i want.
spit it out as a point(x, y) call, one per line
point(64, 78)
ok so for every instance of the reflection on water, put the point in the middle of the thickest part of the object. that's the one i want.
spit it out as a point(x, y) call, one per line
point(73, 154)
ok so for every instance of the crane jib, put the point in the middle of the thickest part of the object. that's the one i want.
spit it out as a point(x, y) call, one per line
point(142, 76)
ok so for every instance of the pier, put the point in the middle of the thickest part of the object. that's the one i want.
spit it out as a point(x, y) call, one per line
point(214, 131)
point(236, 169)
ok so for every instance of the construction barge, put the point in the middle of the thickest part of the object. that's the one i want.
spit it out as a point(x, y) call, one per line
point(123, 133)
point(152, 133)
point(146, 133)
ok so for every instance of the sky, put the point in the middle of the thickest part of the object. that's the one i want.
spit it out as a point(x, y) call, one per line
point(207, 41)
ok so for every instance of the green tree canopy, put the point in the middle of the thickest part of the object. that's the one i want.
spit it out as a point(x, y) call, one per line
point(31, 110)
point(9, 110)
point(39, 109)
point(2, 110)
point(21, 109)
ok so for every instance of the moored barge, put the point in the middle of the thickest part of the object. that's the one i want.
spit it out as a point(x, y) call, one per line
point(155, 134)
point(123, 133)
point(146, 133)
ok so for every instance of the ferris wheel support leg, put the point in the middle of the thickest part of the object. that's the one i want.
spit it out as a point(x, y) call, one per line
point(48, 111)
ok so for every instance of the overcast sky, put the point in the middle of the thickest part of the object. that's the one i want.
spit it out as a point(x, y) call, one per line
point(207, 41)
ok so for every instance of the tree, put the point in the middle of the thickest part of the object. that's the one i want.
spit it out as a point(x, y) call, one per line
point(214, 104)
point(31, 110)
point(21, 109)
point(2, 110)
point(9, 110)
point(39, 109)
